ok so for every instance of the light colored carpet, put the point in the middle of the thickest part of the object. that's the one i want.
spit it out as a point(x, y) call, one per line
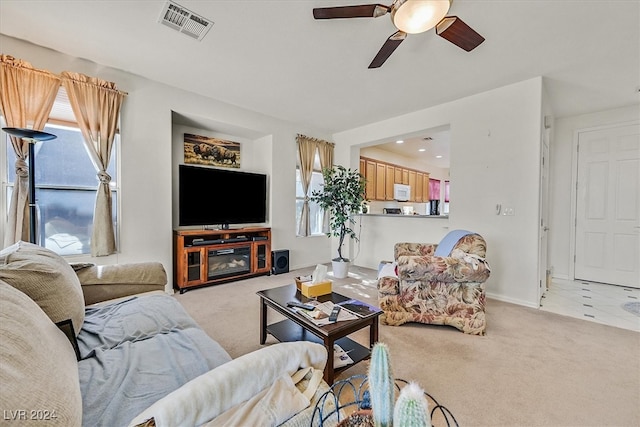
point(533, 368)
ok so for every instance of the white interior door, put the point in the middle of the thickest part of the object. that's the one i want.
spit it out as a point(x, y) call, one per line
point(607, 247)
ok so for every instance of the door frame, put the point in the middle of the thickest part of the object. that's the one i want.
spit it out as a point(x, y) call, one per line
point(544, 210)
point(574, 187)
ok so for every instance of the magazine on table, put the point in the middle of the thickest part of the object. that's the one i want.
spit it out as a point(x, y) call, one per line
point(340, 357)
point(320, 314)
point(359, 308)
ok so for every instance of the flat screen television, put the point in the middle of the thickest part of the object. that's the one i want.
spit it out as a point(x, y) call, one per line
point(211, 197)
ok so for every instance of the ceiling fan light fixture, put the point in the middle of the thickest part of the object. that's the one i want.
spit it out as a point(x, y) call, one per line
point(418, 16)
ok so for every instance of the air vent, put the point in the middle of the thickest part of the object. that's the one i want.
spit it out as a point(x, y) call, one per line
point(183, 20)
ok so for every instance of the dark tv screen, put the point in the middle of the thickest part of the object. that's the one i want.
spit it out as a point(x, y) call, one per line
point(209, 196)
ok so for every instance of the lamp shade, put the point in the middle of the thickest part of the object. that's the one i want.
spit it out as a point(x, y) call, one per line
point(418, 16)
point(35, 135)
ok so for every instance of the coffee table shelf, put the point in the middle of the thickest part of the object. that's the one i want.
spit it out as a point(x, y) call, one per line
point(288, 331)
point(296, 327)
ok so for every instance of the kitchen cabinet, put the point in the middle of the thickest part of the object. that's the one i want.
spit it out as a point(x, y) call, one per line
point(419, 186)
point(380, 181)
point(370, 176)
point(412, 184)
point(397, 176)
point(425, 188)
point(389, 181)
point(381, 176)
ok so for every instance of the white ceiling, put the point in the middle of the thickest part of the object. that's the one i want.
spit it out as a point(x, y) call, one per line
point(273, 57)
point(431, 148)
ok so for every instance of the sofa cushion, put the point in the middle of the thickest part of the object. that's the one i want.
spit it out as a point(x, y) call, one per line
point(107, 282)
point(46, 278)
point(136, 351)
point(134, 319)
point(119, 383)
point(38, 368)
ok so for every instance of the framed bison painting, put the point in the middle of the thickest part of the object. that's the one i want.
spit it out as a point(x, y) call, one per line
point(205, 150)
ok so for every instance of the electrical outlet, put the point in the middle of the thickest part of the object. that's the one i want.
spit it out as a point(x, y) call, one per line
point(509, 211)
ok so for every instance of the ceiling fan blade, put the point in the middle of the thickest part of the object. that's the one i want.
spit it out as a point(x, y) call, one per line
point(457, 32)
point(387, 48)
point(360, 11)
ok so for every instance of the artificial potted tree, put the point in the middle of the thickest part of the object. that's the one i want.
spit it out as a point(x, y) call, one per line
point(342, 196)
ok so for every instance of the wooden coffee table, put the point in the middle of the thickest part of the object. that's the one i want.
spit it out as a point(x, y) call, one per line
point(295, 327)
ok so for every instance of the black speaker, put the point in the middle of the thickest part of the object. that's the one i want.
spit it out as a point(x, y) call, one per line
point(280, 261)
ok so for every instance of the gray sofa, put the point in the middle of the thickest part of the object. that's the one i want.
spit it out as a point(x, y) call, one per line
point(137, 359)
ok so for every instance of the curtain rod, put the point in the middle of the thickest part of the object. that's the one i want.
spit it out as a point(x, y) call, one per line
point(315, 139)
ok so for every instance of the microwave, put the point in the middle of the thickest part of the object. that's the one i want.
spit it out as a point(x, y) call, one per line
point(401, 192)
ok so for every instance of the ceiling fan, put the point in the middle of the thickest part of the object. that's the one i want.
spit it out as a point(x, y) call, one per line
point(409, 17)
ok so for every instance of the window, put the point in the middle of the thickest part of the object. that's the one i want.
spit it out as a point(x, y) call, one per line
point(66, 185)
point(316, 214)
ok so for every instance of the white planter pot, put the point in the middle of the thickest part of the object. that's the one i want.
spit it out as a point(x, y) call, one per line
point(340, 269)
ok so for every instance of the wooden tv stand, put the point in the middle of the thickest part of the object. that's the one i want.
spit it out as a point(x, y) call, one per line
point(207, 257)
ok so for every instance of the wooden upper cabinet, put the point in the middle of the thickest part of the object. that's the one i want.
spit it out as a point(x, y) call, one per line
point(380, 181)
point(397, 178)
point(370, 176)
point(412, 184)
point(380, 177)
point(425, 187)
point(389, 181)
point(419, 184)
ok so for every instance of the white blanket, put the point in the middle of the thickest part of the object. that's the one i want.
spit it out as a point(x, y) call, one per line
point(209, 395)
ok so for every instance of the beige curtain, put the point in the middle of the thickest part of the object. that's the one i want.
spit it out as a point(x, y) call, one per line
point(96, 105)
point(325, 152)
point(26, 98)
point(306, 155)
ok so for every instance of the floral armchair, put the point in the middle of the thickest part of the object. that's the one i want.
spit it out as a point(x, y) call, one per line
point(440, 290)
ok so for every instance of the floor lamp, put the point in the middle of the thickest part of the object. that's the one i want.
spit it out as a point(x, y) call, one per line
point(32, 137)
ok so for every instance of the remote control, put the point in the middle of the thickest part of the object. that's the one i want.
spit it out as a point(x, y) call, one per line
point(300, 305)
point(334, 313)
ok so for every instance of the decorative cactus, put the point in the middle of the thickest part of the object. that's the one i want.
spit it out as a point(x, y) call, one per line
point(412, 408)
point(381, 386)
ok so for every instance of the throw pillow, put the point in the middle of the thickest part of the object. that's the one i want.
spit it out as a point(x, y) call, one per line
point(38, 368)
point(388, 269)
point(449, 242)
point(46, 278)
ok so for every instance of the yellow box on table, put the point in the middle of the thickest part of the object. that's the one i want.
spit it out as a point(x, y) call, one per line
point(312, 290)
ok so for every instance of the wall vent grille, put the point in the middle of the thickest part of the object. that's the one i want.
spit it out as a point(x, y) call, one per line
point(184, 21)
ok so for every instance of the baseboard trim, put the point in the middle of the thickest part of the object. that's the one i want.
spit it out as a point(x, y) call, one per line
point(512, 300)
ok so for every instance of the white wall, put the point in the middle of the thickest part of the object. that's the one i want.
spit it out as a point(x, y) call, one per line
point(495, 146)
point(563, 154)
point(147, 159)
point(381, 233)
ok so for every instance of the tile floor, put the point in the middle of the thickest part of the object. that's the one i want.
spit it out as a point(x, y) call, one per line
point(591, 301)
